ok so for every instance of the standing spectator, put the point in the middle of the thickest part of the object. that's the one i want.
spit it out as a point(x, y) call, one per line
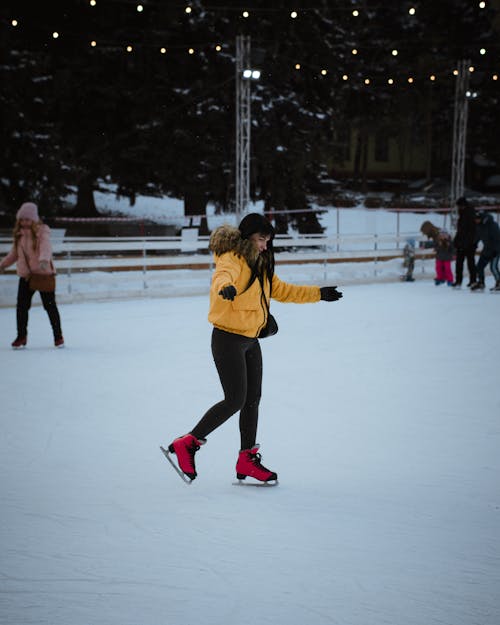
point(32, 252)
point(488, 232)
point(440, 240)
point(465, 242)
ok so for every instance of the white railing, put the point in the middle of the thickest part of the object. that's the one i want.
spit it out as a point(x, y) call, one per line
point(76, 254)
point(81, 261)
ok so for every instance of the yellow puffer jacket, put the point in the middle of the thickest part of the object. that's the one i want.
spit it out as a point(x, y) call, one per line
point(247, 313)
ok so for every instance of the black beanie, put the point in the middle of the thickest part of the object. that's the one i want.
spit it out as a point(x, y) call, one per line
point(254, 222)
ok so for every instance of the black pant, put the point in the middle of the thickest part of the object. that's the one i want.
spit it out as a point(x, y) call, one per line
point(481, 264)
point(239, 363)
point(468, 254)
point(24, 297)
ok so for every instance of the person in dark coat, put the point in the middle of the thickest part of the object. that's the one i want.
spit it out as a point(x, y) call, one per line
point(465, 242)
point(488, 232)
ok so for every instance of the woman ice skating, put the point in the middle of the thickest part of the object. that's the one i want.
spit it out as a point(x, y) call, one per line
point(32, 252)
point(243, 284)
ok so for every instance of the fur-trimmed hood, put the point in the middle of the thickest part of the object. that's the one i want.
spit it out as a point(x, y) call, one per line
point(227, 238)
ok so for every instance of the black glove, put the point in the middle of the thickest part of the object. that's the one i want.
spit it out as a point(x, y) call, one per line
point(330, 293)
point(228, 292)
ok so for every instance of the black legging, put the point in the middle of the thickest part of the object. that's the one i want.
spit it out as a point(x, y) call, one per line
point(24, 297)
point(463, 254)
point(239, 363)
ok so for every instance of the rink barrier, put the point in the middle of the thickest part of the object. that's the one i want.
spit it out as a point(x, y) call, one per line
point(84, 254)
point(90, 268)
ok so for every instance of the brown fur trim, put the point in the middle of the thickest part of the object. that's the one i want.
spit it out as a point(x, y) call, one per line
point(227, 238)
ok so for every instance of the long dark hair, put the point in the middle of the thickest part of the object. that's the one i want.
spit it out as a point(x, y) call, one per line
point(264, 264)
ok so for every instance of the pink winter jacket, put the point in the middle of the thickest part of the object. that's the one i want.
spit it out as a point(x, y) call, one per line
point(28, 259)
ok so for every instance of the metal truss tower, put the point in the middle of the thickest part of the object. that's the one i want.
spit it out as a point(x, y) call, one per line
point(459, 137)
point(243, 125)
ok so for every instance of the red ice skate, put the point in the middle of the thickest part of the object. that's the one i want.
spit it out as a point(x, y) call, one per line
point(249, 465)
point(184, 448)
point(19, 342)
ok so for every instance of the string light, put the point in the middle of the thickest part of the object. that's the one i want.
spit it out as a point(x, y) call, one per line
point(293, 15)
point(93, 3)
point(482, 5)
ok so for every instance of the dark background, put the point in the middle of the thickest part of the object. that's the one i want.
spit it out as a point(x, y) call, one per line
point(75, 116)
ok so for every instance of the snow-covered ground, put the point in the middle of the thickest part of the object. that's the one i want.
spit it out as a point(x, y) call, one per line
point(379, 412)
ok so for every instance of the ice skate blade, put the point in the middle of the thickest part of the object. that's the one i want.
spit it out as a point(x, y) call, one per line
point(182, 475)
point(258, 484)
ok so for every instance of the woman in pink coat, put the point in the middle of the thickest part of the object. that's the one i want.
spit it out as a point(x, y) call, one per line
point(32, 253)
